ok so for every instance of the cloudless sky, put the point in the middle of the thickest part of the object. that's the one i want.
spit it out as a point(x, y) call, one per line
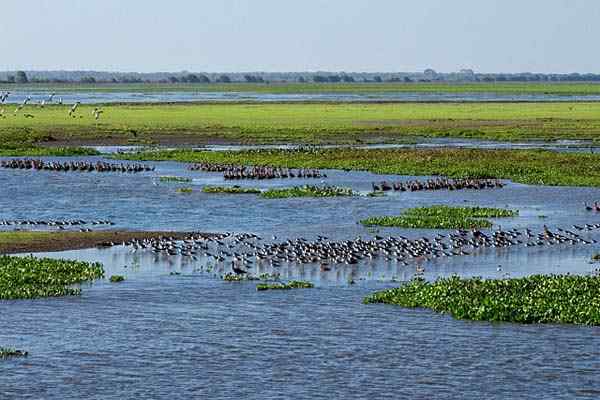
point(301, 35)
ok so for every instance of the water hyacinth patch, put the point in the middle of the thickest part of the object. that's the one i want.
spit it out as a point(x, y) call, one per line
point(307, 191)
point(284, 286)
point(441, 217)
point(116, 278)
point(31, 277)
point(230, 190)
point(565, 299)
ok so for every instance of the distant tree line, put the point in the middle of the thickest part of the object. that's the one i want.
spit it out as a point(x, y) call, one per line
point(428, 75)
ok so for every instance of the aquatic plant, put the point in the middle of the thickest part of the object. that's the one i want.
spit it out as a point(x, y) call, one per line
point(8, 352)
point(307, 191)
point(441, 217)
point(175, 179)
point(537, 167)
point(116, 278)
point(185, 190)
point(284, 286)
point(535, 299)
point(31, 277)
point(238, 278)
point(230, 190)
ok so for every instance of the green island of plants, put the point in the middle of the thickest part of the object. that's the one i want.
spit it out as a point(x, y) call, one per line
point(116, 278)
point(9, 352)
point(307, 191)
point(31, 277)
point(174, 179)
point(441, 217)
point(567, 299)
point(535, 167)
point(284, 286)
point(230, 190)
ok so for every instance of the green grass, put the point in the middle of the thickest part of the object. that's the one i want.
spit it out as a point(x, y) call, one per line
point(9, 352)
point(230, 190)
point(535, 299)
point(19, 151)
point(566, 88)
point(534, 167)
point(284, 286)
point(30, 277)
point(303, 123)
point(174, 179)
point(307, 191)
point(116, 278)
point(441, 217)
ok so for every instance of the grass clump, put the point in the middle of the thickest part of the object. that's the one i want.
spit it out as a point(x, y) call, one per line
point(116, 278)
point(230, 190)
point(284, 286)
point(175, 179)
point(31, 277)
point(441, 217)
point(8, 352)
point(564, 299)
point(307, 191)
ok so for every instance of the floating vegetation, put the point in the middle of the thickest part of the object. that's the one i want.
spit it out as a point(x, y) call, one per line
point(238, 278)
point(31, 277)
point(7, 352)
point(307, 191)
point(185, 190)
point(284, 286)
point(441, 217)
point(174, 179)
point(230, 190)
point(116, 278)
point(537, 167)
point(536, 299)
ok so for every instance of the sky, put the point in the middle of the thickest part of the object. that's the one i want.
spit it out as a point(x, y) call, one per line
point(547, 36)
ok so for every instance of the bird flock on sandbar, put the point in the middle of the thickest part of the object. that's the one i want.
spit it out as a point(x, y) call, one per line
point(74, 166)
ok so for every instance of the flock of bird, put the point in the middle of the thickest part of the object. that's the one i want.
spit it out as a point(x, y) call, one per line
point(237, 172)
point(438, 184)
point(240, 253)
point(53, 222)
point(594, 207)
point(76, 166)
point(96, 112)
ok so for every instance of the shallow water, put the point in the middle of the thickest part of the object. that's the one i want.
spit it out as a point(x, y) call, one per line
point(192, 335)
point(88, 97)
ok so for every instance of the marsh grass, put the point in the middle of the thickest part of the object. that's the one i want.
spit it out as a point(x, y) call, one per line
point(284, 286)
point(566, 299)
point(307, 191)
point(31, 277)
point(441, 217)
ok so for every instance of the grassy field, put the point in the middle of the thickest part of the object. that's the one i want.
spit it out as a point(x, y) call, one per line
point(298, 123)
point(566, 88)
point(535, 167)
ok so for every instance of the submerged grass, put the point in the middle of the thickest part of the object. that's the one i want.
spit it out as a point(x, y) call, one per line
point(303, 123)
point(230, 190)
point(441, 217)
point(536, 167)
point(535, 299)
point(284, 286)
point(31, 277)
point(307, 191)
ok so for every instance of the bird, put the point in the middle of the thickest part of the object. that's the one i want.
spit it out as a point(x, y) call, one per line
point(73, 109)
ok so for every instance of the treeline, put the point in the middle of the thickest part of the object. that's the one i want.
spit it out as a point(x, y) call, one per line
point(429, 75)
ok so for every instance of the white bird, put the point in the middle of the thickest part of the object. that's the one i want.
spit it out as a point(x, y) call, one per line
point(72, 110)
point(97, 113)
point(51, 97)
point(27, 100)
point(42, 103)
point(60, 100)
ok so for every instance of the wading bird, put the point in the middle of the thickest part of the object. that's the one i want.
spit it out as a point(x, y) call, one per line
point(73, 109)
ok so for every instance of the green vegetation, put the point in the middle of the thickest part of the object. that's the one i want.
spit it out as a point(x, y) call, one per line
point(185, 190)
point(284, 286)
point(19, 151)
point(238, 278)
point(302, 123)
point(536, 167)
point(8, 352)
point(116, 278)
point(596, 257)
point(230, 190)
point(441, 217)
point(535, 299)
point(560, 88)
point(307, 191)
point(30, 277)
point(174, 179)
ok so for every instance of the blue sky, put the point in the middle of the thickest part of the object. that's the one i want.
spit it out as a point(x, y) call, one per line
point(303, 35)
